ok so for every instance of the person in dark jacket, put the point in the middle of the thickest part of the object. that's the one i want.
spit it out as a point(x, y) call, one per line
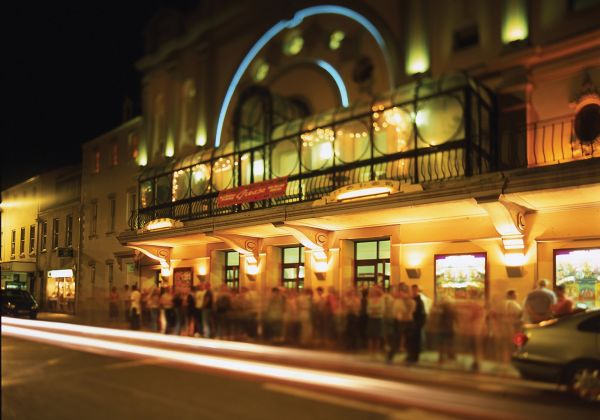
point(419, 318)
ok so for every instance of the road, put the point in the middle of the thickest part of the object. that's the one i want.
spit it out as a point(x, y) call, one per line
point(151, 376)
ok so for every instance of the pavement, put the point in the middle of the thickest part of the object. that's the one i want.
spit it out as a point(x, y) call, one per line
point(428, 359)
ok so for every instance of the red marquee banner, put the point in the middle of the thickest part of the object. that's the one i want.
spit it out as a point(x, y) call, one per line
point(253, 192)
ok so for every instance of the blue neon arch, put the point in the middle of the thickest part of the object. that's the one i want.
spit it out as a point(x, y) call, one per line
point(287, 24)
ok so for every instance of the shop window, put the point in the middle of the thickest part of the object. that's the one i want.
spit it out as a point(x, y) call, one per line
point(579, 271)
point(460, 276)
point(69, 231)
point(232, 270)
point(13, 240)
point(292, 267)
point(44, 236)
point(31, 239)
point(22, 243)
point(60, 291)
point(55, 233)
point(372, 263)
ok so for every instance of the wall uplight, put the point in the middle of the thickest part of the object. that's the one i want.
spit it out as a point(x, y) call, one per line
point(319, 261)
point(251, 266)
point(163, 223)
point(513, 242)
point(417, 50)
point(365, 189)
point(514, 25)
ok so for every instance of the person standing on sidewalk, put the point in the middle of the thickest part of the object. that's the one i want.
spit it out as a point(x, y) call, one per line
point(413, 344)
point(538, 304)
point(113, 305)
point(136, 307)
point(126, 302)
point(403, 309)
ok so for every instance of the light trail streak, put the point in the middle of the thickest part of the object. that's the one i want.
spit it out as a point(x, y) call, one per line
point(370, 388)
point(193, 342)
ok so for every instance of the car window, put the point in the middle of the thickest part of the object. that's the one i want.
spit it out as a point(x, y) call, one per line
point(590, 325)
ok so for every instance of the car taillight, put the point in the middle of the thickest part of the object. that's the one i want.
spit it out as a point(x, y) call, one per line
point(519, 339)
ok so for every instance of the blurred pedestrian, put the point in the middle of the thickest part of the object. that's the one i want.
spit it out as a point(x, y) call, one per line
point(126, 302)
point(305, 316)
point(136, 307)
point(178, 312)
point(168, 315)
point(563, 305)
point(351, 305)
point(375, 320)
point(154, 308)
point(419, 319)
point(506, 319)
point(538, 303)
point(403, 309)
point(113, 304)
point(208, 325)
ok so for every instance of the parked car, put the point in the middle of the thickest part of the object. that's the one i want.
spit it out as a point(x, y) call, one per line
point(19, 303)
point(564, 350)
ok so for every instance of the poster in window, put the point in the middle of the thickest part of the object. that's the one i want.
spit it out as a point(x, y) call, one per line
point(579, 271)
point(460, 276)
point(182, 280)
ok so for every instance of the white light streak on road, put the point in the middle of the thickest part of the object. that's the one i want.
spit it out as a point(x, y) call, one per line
point(393, 392)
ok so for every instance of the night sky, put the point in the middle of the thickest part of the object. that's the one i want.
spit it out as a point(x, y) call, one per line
point(67, 69)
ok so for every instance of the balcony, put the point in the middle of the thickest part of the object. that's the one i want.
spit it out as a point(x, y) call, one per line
point(426, 132)
point(548, 142)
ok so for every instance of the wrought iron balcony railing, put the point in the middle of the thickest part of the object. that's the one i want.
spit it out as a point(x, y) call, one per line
point(430, 131)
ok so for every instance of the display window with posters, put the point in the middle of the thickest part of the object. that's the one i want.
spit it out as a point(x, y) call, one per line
point(461, 276)
point(579, 271)
point(182, 280)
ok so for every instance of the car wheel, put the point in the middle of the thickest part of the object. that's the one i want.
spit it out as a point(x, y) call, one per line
point(584, 382)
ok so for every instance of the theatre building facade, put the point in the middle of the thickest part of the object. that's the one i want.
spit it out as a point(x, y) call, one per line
point(348, 144)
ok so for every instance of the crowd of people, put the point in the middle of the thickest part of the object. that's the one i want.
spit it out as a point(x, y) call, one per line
point(402, 320)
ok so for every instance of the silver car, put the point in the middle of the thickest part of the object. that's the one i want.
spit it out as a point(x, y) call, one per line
point(565, 350)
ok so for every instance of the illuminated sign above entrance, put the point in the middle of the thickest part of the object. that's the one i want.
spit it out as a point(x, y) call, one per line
point(253, 192)
point(60, 273)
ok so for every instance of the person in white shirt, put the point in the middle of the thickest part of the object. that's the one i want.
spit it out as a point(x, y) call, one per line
point(136, 307)
point(403, 311)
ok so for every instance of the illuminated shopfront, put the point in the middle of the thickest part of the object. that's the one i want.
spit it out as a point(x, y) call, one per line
point(579, 271)
point(60, 290)
point(460, 277)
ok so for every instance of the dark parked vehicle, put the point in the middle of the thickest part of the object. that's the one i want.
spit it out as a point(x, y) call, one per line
point(19, 303)
point(565, 350)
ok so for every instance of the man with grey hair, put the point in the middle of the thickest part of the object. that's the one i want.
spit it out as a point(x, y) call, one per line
point(538, 304)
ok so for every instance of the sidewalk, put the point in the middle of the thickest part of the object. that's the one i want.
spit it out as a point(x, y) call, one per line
point(428, 359)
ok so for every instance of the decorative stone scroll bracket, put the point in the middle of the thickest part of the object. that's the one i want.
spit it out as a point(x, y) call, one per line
point(245, 245)
point(508, 219)
point(312, 238)
point(158, 253)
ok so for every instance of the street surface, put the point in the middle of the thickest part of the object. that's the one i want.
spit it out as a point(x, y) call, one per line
point(114, 374)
